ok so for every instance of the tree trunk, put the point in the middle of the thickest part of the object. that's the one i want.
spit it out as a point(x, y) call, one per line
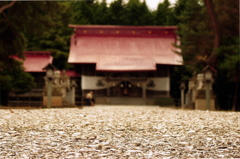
point(7, 6)
point(212, 59)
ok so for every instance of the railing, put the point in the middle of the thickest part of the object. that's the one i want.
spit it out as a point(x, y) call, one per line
point(34, 98)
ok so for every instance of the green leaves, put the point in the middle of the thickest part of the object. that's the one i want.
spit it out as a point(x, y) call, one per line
point(13, 77)
point(194, 34)
point(164, 14)
point(230, 61)
point(118, 13)
point(197, 43)
point(24, 22)
point(57, 37)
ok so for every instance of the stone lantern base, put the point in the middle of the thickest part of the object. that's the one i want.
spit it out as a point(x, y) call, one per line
point(55, 100)
point(200, 104)
point(200, 101)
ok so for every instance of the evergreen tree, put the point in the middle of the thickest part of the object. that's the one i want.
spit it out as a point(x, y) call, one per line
point(56, 38)
point(101, 13)
point(82, 12)
point(178, 9)
point(201, 46)
point(164, 15)
point(195, 36)
point(228, 63)
point(137, 13)
point(116, 12)
point(132, 13)
point(16, 21)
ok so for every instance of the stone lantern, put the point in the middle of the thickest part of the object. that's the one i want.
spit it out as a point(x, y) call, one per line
point(49, 70)
point(49, 79)
point(208, 72)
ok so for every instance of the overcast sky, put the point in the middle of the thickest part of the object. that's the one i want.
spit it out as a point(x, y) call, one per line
point(152, 4)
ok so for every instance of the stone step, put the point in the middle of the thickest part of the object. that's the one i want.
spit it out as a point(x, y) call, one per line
point(120, 100)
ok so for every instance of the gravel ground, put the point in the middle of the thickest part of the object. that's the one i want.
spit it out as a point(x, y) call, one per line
point(119, 132)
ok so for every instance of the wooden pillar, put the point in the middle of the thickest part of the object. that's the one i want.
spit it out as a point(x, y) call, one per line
point(49, 93)
point(144, 90)
point(73, 95)
point(82, 96)
point(182, 98)
point(108, 91)
point(108, 94)
point(73, 91)
point(168, 75)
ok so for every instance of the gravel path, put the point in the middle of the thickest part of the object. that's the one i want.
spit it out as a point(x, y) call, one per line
point(119, 132)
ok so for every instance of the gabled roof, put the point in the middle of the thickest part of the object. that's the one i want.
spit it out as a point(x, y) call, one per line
point(124, 48)
point(35, 61)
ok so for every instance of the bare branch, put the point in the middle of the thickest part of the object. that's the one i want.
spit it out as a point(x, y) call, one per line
point(7, 6)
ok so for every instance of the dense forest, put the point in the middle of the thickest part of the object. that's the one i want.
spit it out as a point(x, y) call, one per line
point(208, 32)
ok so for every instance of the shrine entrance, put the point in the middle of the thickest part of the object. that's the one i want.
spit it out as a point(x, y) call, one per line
point(126, 89)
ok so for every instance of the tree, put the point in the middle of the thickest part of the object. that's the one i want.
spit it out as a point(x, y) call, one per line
point(12, 75)
point(225, 48)
point(164, 15)
point(228, 61)
point(83, 13)
point(195, 36)
point(209, 36)
point(137, 13)
point(212, 59)
point(101, 13)
point(116, 11)
point(17, 21)
point(132, 13)
point(178, 9)
point(57, 37)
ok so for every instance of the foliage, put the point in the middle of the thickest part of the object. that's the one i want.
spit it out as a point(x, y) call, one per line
point(18, 21)
point(132, 13)
point(196, 34)
point(55, 38)
point(179, 7)
point(82, 13)
point(228, 52)
point(164, 15)
point(228, 55)
point(230, 59)
point(14, 78)
point(137, 13)
point(116, 12)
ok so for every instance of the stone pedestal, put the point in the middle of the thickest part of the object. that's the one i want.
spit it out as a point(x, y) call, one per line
point(200, 101)
point(200, 104)
point(55, 100)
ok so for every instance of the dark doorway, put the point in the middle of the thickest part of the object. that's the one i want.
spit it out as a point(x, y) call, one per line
point(126, 89)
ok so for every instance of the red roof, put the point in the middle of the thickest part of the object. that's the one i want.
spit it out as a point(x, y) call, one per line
point(35, 61)
point(71, 73)
point(121, 48)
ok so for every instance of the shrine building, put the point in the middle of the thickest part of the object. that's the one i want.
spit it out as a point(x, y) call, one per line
point(124, 64)
point(34, 63)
